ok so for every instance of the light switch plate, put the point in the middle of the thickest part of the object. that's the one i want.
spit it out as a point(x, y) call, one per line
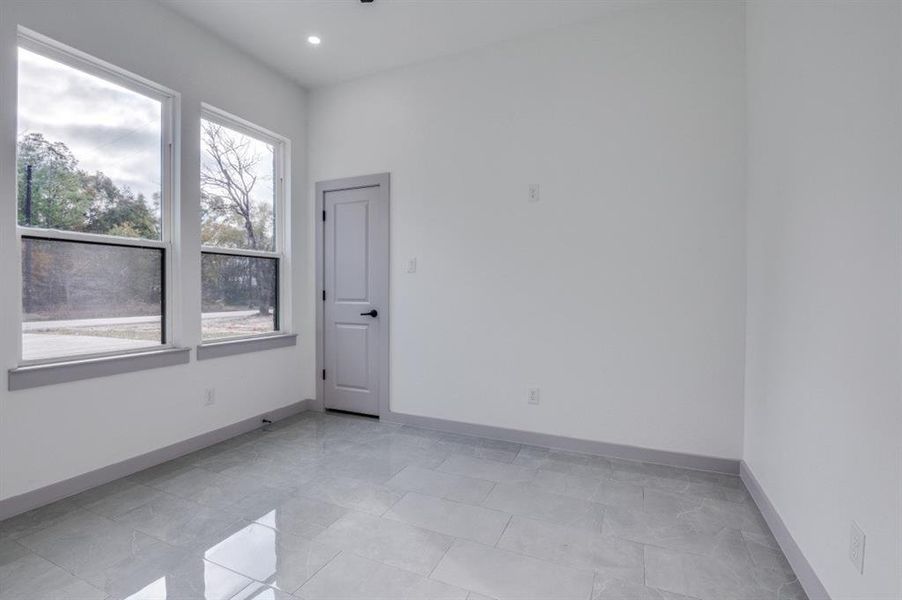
point(412, 265)
point(533, 192)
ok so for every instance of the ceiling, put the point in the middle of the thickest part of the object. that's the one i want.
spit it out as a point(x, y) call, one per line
point(359, 39)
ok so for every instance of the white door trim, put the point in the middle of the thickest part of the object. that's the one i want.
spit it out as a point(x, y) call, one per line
point(380, 180)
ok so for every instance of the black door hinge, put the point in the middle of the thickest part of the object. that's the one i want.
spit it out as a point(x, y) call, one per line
point(324, 215)
point(324, 374)
point(324, 295)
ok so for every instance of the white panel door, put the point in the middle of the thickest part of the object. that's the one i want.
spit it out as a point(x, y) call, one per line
point(355, 285)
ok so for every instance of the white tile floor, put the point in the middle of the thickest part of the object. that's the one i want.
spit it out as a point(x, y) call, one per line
point(337, 507)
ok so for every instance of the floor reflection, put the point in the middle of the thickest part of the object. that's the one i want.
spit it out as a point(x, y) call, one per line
point(258, 591)
point(251, 549)
point(196, 579)
point(156, 589)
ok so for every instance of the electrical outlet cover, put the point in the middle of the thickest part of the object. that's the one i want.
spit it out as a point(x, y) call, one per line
point(856, 547)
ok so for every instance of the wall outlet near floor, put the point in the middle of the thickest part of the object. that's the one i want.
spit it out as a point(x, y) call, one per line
point(856, 547)
point(533, 192)
point(209, 396)
point(532, 395)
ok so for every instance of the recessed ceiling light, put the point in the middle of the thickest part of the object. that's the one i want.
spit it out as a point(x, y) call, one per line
point(314, 40)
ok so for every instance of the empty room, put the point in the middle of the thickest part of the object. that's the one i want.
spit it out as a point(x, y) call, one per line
point(451, 299)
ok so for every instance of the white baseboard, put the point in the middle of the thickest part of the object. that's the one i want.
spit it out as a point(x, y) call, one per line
point(809, 580)
point(651, 455)
point(15, 505)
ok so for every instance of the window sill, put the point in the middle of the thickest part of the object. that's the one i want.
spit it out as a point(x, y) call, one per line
point(32, 376)
point(242, 346)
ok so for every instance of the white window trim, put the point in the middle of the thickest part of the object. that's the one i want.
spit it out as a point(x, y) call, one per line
point(281, 229)
point(170, 101)
point(77, 236)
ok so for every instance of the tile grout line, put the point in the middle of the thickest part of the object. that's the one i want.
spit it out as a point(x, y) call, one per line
point(503, 531)
point(58, 566)
point(439, 561)
point(314, 574)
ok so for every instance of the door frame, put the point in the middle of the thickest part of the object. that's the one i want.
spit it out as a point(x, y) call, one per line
point(382, 181)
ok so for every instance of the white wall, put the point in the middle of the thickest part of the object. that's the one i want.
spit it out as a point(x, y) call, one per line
point(621, 294)
point(824, 415)
point(52, 433)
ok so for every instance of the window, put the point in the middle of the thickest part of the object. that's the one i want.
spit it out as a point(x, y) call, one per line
point(241, 228)
point(93, 198)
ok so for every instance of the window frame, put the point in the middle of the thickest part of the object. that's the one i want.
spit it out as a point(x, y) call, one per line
point(281, 215)
point(169, 194)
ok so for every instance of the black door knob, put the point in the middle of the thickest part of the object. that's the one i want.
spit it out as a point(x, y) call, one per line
point(373, 313)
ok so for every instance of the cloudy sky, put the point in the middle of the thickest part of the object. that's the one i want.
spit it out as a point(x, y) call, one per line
point(107, 127)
